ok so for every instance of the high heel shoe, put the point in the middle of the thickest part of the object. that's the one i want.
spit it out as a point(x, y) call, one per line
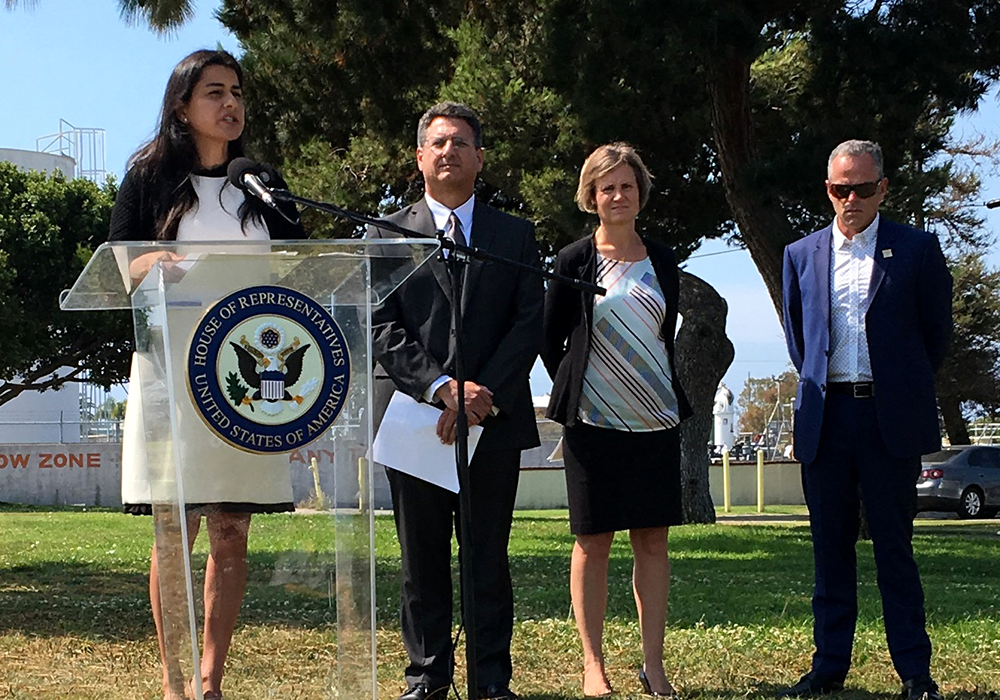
point(649, 691)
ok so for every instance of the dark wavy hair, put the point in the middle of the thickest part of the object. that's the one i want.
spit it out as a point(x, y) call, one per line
point(166, 162)
point(451, 110)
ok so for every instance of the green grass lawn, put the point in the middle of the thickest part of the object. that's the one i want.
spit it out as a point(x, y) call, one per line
point(75, 622)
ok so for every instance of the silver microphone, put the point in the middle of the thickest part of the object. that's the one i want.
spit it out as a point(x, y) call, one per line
point(242, 174)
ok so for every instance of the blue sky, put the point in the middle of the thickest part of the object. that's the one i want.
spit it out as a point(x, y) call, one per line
point(73, 60)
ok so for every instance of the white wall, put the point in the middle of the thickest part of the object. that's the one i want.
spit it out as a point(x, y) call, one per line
point(543, 489)
point(42, 162)
point(89, 473)
point(57, 474)
point(47, 416)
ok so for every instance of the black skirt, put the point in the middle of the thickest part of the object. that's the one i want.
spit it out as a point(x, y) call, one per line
point(620, 480)
point(209, 508)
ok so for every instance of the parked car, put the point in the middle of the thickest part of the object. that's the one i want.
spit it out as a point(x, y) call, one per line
point(964, 479)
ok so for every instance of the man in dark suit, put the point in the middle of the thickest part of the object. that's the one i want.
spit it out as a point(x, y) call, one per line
point(867, 316)
point(415, 350)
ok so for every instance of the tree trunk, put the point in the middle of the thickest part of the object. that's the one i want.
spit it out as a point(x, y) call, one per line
point(703, 354)
point(763, 225)
point(954, 422)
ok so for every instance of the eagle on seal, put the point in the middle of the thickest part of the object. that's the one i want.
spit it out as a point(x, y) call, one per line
point(270, 384)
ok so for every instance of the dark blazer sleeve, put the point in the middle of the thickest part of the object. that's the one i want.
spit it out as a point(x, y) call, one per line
point(399, 352)
point(566, 343)
point(558, 319)
point(791, 313)
point(504, 371)
point(279, 227)
point(935, 301)
point(132, 214)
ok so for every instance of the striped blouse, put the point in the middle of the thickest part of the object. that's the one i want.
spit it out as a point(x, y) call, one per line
point(627, 383)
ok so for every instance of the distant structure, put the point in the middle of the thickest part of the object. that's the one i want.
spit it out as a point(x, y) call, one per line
point(66, 415)
point(84, 145)
point(39, 162)
point(725, 417)
point(47, 416)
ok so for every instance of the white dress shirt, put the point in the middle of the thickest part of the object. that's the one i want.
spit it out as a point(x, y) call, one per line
point(850, 280)
point(441, 214)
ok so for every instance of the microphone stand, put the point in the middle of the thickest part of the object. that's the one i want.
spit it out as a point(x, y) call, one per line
point(457, 260)
point(360, 219)
point(457, 263)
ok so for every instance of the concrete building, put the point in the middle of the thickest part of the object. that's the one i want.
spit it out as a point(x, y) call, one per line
point(40, 162)
point(49, 416)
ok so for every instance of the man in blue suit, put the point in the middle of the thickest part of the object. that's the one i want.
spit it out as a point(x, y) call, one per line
point(867, 317)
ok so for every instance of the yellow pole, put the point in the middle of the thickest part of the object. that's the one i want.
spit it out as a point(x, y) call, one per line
point(760, 481)
point(726, 492)
point(321, 503)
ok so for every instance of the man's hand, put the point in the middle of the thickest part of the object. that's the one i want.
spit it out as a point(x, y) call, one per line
point(478, 399)
point(447, 426)
point(478, 405)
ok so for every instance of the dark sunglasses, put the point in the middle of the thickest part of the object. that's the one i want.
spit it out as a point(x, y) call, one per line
point(864, 190)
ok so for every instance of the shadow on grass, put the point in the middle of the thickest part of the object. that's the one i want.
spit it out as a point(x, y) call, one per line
point(764, 692)
point(80, 599)
point(768, 690)
point(722, 575)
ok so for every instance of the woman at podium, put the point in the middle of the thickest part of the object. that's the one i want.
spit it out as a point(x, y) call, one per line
point(176, 189)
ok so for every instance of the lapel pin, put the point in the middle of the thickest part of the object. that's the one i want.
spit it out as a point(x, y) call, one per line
point(887, 253)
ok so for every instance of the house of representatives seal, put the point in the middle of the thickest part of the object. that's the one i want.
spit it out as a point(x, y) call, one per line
point(268, 369)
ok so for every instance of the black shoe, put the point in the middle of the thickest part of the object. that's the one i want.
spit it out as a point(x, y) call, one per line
point(810, 686)
point(921, 688)
point(650, 691)
point(496, 691)
point(421, 691)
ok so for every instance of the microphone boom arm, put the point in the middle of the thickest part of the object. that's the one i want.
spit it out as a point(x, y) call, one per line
point(446, 243)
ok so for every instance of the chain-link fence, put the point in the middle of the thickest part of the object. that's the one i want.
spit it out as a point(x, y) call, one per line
point(58, 430)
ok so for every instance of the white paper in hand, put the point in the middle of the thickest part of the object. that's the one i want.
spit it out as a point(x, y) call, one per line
point(407, 441)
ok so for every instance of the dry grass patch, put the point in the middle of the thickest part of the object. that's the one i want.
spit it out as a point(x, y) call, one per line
point(75, 624)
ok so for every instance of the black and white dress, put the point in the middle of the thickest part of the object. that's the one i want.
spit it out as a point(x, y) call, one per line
point(214, 473)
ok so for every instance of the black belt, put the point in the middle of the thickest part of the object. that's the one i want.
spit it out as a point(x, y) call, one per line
point(859, 390)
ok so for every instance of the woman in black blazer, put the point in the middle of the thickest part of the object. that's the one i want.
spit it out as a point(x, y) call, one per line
point(616, 393)
point(176, 190)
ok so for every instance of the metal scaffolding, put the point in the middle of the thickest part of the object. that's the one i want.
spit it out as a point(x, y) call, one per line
point(83, 145)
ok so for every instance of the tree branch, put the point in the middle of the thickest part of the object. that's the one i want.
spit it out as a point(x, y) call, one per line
point(32, 380)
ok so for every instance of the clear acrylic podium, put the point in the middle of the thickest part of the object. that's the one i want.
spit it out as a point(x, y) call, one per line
point(248, 353)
